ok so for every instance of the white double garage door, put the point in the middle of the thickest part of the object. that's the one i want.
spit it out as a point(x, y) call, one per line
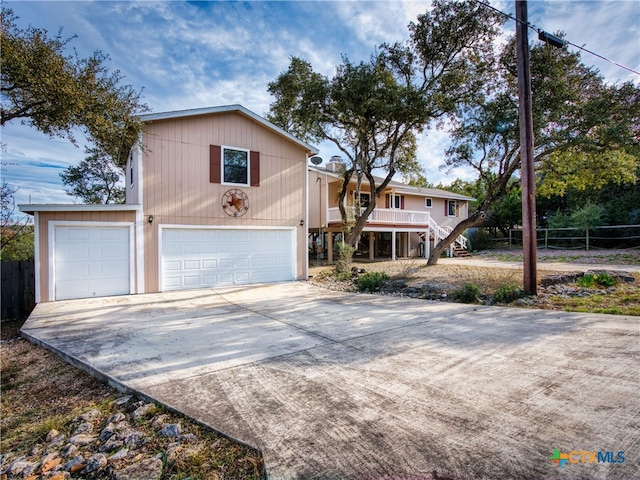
point(98, 260)
point(210, 257)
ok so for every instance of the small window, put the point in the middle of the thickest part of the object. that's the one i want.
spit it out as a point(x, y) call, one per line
point(235, 166)
point(394, 201)
point(428, 202)
point(131, 172)
point(452, 208)
point(365, 199)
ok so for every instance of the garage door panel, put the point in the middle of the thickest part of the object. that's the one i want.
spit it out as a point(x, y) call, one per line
point(225, 257)
point(90, 261)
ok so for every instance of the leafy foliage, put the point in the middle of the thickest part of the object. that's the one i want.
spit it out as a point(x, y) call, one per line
point(507, 293)
point(579, 123)
point(372, 111)
point(590, 215)
point(590, 280)
point(55, 92)
point(468, 293)
point(16, 233)
point(372, 281)
point(95, 180)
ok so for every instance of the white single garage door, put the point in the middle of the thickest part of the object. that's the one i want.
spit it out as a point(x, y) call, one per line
point(91, 261)
point(195, 258)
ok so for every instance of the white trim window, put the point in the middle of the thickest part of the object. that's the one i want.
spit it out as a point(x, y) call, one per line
point(132, 177)
point(235, 166)
point(452, 208)
point(428, 202)
point(365, 199)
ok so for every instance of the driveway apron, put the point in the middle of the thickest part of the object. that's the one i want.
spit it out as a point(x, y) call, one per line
point(334, 385)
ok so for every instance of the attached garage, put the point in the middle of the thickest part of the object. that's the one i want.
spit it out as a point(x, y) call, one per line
point(90, 260)
point(210, 257)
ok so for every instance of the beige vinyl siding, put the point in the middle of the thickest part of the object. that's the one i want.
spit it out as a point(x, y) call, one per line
point(43, 224)
point(177, 190)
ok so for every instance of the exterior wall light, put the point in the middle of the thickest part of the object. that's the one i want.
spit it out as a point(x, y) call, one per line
point(150, 218)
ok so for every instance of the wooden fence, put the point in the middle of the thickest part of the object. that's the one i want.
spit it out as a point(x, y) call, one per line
point(17, 289)
point(613, 237)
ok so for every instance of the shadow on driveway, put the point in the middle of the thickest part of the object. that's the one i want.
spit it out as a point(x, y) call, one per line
point(336, 385)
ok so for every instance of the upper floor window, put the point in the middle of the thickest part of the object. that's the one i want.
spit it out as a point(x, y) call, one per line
point(394, 201)
point(428, 202)
point(131, 171)
point(365, 199)
point(235, 166)
point(452, 208)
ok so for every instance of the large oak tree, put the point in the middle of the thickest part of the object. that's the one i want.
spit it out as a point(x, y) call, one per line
point(586, 132)
point(374, 110)
point(57, 93)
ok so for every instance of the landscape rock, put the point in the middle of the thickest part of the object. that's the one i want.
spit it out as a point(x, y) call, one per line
point(123, 400)
point(116, 417)
point(159, 421)
point(120, 454)
point(84, 427)
point(82, 439)
point(51, 435)
point(111, 445)
point(149, 469)
point(69, 450)
point(89, 416)
point(142, 411)
point(171, 430)
point(108, 431)
point(21, 467)
point(187, 438)
point(133, 439)
point(95, 462)
point(79, 460)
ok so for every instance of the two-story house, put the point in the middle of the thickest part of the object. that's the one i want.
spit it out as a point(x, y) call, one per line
point(406, 222)
point(215, 196)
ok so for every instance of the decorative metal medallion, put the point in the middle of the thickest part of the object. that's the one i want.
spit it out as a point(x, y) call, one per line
point(235, 202)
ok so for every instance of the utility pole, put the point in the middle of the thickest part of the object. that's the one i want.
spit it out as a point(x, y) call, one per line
point(529, 239)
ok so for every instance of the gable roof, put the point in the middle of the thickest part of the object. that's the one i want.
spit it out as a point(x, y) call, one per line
point(400, 187)
point(151, 117)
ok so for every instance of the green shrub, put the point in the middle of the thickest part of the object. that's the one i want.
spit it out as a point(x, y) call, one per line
point(589, 280)
point(479, 239)
point(507, 293)
point(468, 293)
point(372, 281)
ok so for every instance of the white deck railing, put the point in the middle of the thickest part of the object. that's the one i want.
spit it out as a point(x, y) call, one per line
point(385, 215)
point(401, 217)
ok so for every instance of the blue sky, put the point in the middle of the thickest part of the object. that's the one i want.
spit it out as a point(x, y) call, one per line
point(198, 54)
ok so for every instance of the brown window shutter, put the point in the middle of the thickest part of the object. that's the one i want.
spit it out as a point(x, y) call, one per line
point(402, 202)
point(446, 208)
point(254, 168)
point(215, 159)
point(387, 201)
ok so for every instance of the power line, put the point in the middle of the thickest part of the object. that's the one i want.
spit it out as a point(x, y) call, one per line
point(548, 38)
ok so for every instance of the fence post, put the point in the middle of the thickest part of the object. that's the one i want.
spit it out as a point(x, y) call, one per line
point(546, 238)
point(510, 238)
point(587, 236)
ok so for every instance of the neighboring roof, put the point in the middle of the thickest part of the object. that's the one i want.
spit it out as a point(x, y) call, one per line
point(31, 208)
point(151, 117)
point(400, 187)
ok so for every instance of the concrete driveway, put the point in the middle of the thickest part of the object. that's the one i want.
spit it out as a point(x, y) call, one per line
point(332, 385)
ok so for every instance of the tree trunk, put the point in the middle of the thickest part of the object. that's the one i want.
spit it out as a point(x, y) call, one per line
point(470, 222)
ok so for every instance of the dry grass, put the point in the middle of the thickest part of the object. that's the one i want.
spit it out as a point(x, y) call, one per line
point(624, 300)
point(488, 279)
